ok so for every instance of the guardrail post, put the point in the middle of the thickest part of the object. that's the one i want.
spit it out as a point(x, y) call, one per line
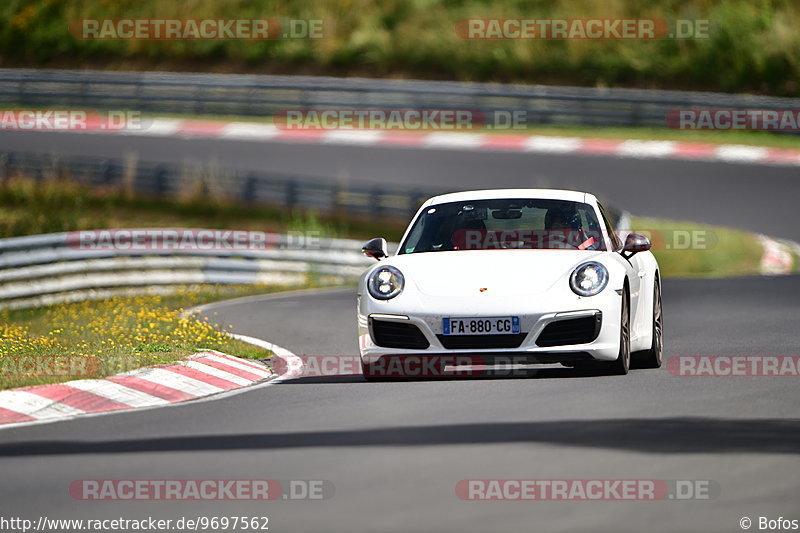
point(335, 188)
point(250, 189)
point(84, 101)
point(198, 101)
point(291, 193)
point(160, 181)
point(635, 117)
point(107, 172)
point(21, 91)
point(415, 200)
point(375, 202)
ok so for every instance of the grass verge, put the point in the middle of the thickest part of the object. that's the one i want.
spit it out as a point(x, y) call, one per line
point(688, 249)
point(94, 339)
point(29, 206)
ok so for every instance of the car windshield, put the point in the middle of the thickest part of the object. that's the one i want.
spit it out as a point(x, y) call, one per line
point(505, 224)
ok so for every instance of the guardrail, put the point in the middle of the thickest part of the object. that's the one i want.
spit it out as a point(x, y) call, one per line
point(249, 188)
point(45, 269)
point(263, 95)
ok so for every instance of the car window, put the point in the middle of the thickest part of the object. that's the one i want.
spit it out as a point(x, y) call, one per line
point(615, 241)
point(505, 224)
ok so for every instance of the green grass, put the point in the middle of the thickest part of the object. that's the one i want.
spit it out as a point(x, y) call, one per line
point(28, 206)
point(95, 339)
point(716, 252)
point(754, 46)
point(100, 338)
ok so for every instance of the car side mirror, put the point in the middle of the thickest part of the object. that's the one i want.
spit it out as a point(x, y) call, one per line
point(634, 244)
point(376, 249)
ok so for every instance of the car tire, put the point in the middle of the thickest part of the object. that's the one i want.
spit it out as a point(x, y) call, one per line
point(622, 364)
point(653, 357)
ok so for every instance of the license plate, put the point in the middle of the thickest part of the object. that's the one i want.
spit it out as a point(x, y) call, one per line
point(496, 325)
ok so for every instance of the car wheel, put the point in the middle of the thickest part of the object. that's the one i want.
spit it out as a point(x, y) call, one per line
point(653, 357)
point(623, 361)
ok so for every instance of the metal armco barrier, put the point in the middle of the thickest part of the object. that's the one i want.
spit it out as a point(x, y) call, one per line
point(252, 188)
point(264, 95)
point(42, 269)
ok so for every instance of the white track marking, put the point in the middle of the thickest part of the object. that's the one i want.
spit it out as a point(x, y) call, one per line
point(116, 392)
point(646, 149)
point(216, 372)
point(292, 361)
point(737, 153)
point(34, 406)
point(246, 362)
point(177, 381)
point(235, 364)
point(558, 145)
point(353, 136)
point(249, 132)
point(50, 412)
point(158, 127)
point(777, 258)
point(632, 148)
point(453, 140)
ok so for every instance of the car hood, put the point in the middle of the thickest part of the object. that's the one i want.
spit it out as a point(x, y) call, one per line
point(500, 272)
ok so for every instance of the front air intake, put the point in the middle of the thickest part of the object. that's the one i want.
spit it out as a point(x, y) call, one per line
point(390, 334)
point(571, 331)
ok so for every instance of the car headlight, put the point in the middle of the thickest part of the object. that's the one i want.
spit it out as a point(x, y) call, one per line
point(588, 279)
point(385, 283)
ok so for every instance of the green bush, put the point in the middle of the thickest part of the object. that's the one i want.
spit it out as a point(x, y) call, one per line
point(754, 45)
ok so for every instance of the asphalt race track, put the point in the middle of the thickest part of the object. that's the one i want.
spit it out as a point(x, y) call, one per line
point(395, 451)
point(752, 197)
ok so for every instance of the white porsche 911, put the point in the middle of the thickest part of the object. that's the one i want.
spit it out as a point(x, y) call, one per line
point(537, 274)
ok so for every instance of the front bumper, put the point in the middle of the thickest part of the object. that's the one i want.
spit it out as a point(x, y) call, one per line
point(605, 308)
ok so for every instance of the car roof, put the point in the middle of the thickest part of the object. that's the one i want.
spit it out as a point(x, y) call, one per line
point(492, 194)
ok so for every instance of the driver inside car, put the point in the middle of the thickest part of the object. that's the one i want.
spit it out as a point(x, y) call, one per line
point(564, 229)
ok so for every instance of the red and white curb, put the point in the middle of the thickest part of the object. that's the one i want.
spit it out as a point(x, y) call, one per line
point(636, 149)
point(292, 364)
point(205, 374)
point(777, 259)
